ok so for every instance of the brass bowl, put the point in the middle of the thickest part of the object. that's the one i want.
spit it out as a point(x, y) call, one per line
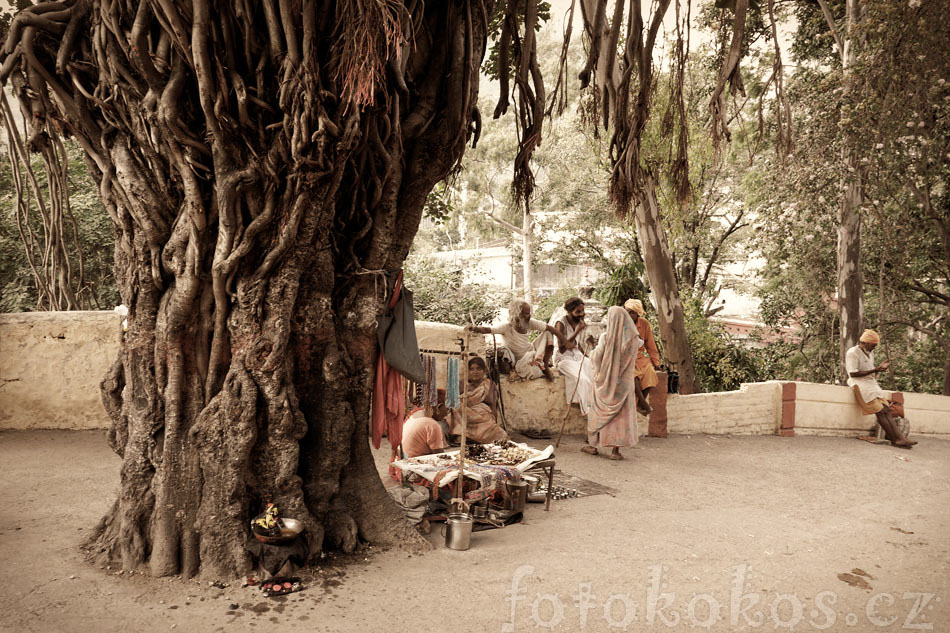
point(291, 530)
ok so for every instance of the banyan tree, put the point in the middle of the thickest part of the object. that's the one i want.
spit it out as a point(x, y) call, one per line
point(265, 165)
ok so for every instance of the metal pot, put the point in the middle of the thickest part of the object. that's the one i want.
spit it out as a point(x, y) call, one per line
point(532, 481)
point(516, 495)
point(289, 530)
point(458, 530)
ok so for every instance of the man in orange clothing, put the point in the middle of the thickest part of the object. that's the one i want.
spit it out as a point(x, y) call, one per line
point(423, 434)
point(648, 358)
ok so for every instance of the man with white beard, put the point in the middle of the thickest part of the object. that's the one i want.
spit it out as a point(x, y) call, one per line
point(531, 359)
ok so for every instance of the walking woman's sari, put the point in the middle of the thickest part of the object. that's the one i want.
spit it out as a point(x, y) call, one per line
point(612, 419)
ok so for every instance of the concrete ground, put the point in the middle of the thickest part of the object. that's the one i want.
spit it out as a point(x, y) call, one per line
point(715, 533)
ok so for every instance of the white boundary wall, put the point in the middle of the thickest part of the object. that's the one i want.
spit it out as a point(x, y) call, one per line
point(831, 410)
point(51, 364)
point(50, 367)
point(753, 410)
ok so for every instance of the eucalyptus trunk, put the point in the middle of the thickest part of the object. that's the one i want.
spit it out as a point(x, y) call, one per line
point(850, 275)
point(669, 308)
point(265, 164)
point(527, 233)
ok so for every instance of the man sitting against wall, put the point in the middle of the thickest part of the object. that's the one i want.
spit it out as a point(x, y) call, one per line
point(859, 363)
point(648, 357)
point(571, 359)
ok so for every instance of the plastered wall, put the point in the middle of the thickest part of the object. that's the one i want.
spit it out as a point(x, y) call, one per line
point(50, 367)
point(51, 364)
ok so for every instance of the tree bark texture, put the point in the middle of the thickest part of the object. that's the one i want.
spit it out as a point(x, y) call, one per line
point(669, 308)
point(265, 163)
point(850, 276)
point(527, 263)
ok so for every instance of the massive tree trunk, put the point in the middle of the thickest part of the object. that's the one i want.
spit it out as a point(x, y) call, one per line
point(669, 308)
point(265, 164)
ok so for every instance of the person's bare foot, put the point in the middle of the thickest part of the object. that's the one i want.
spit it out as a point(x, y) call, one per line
point(590, 450)
point(615, 454)
point(903, 443)
point(547, 373)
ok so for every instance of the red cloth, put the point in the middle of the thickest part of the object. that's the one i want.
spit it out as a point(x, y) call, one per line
point(389, 405)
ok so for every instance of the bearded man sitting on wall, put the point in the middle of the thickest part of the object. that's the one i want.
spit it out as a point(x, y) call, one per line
point(530, 359)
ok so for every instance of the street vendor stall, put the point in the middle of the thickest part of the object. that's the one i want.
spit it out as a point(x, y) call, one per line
point(490, 470)
point(493, 487)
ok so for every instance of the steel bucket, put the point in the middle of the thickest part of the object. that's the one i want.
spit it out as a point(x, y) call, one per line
point(458, 530)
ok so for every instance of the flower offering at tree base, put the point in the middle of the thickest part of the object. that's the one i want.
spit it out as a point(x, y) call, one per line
point(268, 523)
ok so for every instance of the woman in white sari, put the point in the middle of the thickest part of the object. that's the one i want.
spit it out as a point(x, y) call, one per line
point(612, 419)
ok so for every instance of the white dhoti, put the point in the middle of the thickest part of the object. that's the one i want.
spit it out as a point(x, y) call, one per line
point(578, 378)
point(524, 364)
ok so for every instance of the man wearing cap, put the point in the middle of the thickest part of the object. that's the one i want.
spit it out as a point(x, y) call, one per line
point(859, 363)
point(648, 358)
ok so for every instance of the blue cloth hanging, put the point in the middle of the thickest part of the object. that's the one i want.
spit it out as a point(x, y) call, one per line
point(452, 383)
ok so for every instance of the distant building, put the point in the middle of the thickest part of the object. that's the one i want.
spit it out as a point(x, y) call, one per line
point(495, 266)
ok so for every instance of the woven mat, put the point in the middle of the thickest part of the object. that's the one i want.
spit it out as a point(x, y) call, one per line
point(565, 482)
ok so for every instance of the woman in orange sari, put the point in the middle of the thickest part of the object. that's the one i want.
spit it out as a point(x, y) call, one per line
point(481, 396)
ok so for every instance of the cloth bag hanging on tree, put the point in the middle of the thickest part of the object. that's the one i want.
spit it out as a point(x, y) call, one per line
point(396, 331)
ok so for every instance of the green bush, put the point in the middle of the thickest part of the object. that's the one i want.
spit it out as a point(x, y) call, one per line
point(546, 306)
point(721, 363)
point(440, 294)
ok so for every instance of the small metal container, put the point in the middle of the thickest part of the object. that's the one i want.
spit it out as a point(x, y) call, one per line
point(458, 530)
point(533, 483)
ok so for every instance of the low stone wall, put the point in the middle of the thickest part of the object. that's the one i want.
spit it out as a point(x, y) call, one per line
point(753, 410)
point(535, 405)
point(831, 410)
point(50, 367)
point(51, 364)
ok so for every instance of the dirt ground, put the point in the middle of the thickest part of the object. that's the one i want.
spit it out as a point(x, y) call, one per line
point(716, 533)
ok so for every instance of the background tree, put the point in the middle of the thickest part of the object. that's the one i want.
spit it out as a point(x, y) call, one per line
point(894, 121)
point(441, 294)
point(81, 231)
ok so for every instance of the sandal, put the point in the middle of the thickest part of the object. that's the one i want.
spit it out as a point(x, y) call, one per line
point(590, 450)
point(615, 456)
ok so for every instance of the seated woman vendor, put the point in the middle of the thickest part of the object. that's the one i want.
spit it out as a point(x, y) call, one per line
point(481, 399)
point(422, 432)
